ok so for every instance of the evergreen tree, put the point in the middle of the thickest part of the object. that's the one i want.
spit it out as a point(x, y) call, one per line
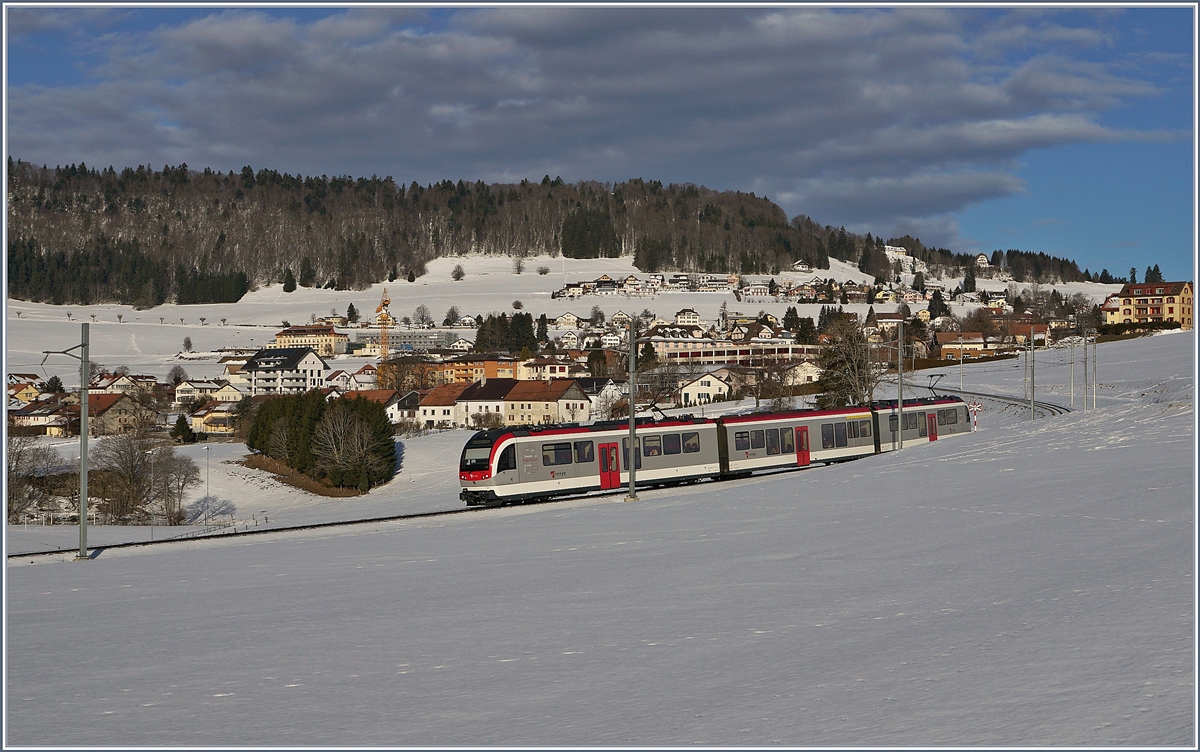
point(182, 431)
point(54, 384)
point(968, 283)
point(791, 319)
point(412, 277)
point(1132, 276)
point(289, 282)
point(806, 332)
point(543, 329)
point(308, 277)
point(352, 314)
point(937, 305)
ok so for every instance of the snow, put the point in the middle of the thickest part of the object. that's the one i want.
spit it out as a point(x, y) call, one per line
point(1028, 585)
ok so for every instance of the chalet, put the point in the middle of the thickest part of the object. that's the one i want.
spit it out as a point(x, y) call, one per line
point(687, 317)
point(228, 393)
point(214, 419)
point(338, 379)
point(757, 290)
point(703, 389)
point(804, 372)
point(290, 370)
point(110, 383)
point(620, 318)
point(193, 390)
point(467, 322)
point(23, 393)
point(569, 339)
point(567, 321)
point(366, 377)
point(462, 345)
point(546, 402)
point(537, 369)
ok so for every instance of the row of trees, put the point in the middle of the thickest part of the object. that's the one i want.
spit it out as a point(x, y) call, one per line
point(347, 441)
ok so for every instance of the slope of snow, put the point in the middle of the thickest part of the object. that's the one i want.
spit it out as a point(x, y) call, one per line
point(1029, 585)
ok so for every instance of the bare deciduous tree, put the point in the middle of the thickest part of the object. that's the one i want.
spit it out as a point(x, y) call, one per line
point(27, 461)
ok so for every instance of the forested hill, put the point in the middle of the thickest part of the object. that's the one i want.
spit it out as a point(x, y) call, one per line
point(144, 237)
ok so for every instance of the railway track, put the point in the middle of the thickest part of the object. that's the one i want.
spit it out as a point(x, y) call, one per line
point(292, 528)
point(1046, 408)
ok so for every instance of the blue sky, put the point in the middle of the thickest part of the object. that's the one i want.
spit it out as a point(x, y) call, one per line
point(1067, 132)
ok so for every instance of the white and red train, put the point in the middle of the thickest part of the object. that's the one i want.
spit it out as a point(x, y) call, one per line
point(522, 464)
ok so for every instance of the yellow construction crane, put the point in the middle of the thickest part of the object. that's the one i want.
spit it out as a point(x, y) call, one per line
point(383, 317)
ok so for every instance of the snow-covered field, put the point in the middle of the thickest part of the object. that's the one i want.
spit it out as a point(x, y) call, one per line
point(1031, 584)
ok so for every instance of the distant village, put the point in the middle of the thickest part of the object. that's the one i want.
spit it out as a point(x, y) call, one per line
point(429, 377)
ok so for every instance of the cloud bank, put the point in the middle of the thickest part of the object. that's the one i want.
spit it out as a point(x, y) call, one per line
point(876, 119)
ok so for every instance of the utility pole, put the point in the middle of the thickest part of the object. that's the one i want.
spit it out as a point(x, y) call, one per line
point(632, 456)
point(900, 386)
point(1032, 373)
point(960, 361)
point(1095, 367)
point(1072, 375)
point(85, 368)
point(1085, 369)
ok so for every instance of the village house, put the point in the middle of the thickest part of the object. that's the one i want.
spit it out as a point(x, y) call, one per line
point(23, 392)
point(955, 345)
point(436, 408)
point(485, 397)
point(798, 374)
point(214, 419)
point(193, 390)
point(110, 414)
point(703, 389)
point(536, 369)
point(473, 367)
point(687, 317)
point(462, 345)
point(567, 321)
point(546, 402)
point(109, 383)
point(569, 340)
point(389, 398)
point(228, 393)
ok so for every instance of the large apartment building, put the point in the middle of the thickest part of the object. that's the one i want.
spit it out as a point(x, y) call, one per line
point(325, 340)
point(1152, 301)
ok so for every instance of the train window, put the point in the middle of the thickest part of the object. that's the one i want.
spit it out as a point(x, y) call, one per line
point(827, 436)
point(852, 429)
point(756, 440)
point(508, 459)
point(741, 441)
point(864, 429)
point(584, 451)
point(910, 421)
point(786, 440)
point(892, 421)
point(773, 441)
point(839, 433)
point(922, 425)
point(556, 454)
point(691, 442)
point(637, 456)
point(651, 446)
point(476, 454)
point(951, 416)
point(671, 443)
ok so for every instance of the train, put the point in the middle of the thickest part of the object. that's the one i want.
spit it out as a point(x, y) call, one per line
point(513, 465)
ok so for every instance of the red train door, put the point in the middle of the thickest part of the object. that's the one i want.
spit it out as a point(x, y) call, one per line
point(610, 467)
point(802, 455)
point(931, 419)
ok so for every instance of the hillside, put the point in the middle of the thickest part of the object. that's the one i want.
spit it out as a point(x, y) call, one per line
point(144, 237)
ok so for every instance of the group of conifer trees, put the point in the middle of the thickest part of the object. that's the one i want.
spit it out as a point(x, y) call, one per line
point(347, 441)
